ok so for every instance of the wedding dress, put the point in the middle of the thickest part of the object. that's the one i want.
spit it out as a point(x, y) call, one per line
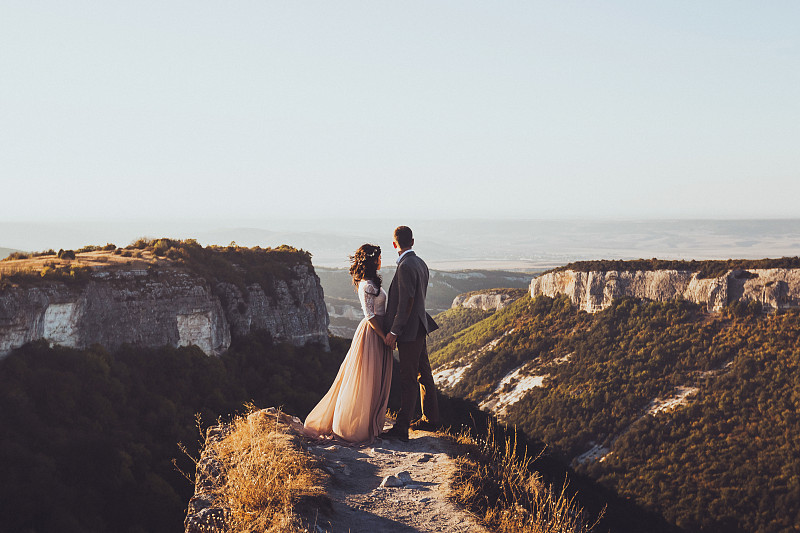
point(354, 408)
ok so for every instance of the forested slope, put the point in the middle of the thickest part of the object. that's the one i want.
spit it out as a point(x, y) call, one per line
point(722, 456)
point(89, 436)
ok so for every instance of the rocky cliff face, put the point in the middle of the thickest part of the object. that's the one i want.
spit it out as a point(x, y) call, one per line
point(160, 306)
point(488, 300)
point(775, 288)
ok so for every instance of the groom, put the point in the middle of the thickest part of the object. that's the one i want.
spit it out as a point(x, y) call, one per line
point(408, 324)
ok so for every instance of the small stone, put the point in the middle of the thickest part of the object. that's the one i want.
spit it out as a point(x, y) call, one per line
point(391, 481)
point(343, 467)
point(328, 470)
point(404, 476)
point(425, 500)
point(425, 458)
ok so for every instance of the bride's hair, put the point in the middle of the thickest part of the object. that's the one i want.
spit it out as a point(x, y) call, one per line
point(364, 264)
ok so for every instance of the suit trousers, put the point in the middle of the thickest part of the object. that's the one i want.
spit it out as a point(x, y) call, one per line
point(415, 368)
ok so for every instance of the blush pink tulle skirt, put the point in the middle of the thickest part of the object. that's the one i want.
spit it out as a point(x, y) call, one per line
point(354, 409)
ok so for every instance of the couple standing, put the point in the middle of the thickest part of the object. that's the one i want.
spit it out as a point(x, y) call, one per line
point(354, 409)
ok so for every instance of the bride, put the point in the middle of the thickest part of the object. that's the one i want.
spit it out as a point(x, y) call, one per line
point(354, 408)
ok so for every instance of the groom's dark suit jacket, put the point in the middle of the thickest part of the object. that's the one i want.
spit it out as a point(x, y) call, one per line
point(405, 309)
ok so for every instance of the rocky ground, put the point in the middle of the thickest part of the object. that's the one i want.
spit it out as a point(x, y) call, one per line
point(390, 487)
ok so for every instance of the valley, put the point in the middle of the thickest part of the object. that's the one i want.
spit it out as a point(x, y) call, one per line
point(345, 311)
point(663, 402)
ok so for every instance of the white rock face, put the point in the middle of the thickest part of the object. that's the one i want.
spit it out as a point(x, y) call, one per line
point(680, 397)
point(511, 389)
point(164, 307)
point(595, 453)
point(195, 328)
point(350, 312)
point(593, 291)
point(60, 324)
point(487, 300)
point(450, 377)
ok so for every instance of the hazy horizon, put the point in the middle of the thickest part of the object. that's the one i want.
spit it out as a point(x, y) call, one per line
point(455, 244)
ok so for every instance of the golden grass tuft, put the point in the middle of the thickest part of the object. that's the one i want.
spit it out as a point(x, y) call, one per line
point(496, 483)
point(264, 473)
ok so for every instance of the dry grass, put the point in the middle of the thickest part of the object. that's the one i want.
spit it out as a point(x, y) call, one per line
point(264, 473)
point(498, 484)
point(95, 259)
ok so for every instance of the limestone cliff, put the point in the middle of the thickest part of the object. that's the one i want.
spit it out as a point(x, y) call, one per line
point(158, 306)
point(488, 300)
point(774, 288)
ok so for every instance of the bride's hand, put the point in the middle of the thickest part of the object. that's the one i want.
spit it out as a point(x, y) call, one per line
point(390, 340)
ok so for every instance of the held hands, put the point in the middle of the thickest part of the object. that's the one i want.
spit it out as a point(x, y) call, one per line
point(390, 340)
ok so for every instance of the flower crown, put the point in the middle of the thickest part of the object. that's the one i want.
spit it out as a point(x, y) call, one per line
point(376, 251)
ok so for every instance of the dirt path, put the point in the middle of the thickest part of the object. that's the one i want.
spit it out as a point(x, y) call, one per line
point(362, 505)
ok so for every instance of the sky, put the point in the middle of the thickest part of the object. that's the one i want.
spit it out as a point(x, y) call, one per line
point(434, 109)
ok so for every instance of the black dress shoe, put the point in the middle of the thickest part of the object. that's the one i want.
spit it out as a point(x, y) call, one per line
point(422, 424)
point(396, 433)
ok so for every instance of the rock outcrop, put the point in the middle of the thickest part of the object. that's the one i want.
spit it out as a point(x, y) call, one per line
point(161, 306)
point(776, 288)
point(488, 300)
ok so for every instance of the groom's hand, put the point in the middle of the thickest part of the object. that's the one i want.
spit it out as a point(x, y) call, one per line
point(391, 340)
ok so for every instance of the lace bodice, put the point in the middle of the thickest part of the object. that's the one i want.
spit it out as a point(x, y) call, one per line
point(373, 299)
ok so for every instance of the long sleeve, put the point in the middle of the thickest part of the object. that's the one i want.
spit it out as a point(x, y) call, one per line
point(366, 295)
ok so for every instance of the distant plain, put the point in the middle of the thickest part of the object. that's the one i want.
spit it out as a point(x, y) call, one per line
point(453, 245)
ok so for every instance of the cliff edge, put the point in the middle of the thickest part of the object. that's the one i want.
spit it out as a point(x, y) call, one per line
point(161, 292)
point(591, 291)
point(488, 300)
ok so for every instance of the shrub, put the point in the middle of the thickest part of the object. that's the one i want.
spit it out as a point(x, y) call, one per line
point(743, 308)
point(44, 253)
point(17, 255)
point(140, 243)
point(161, 246)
